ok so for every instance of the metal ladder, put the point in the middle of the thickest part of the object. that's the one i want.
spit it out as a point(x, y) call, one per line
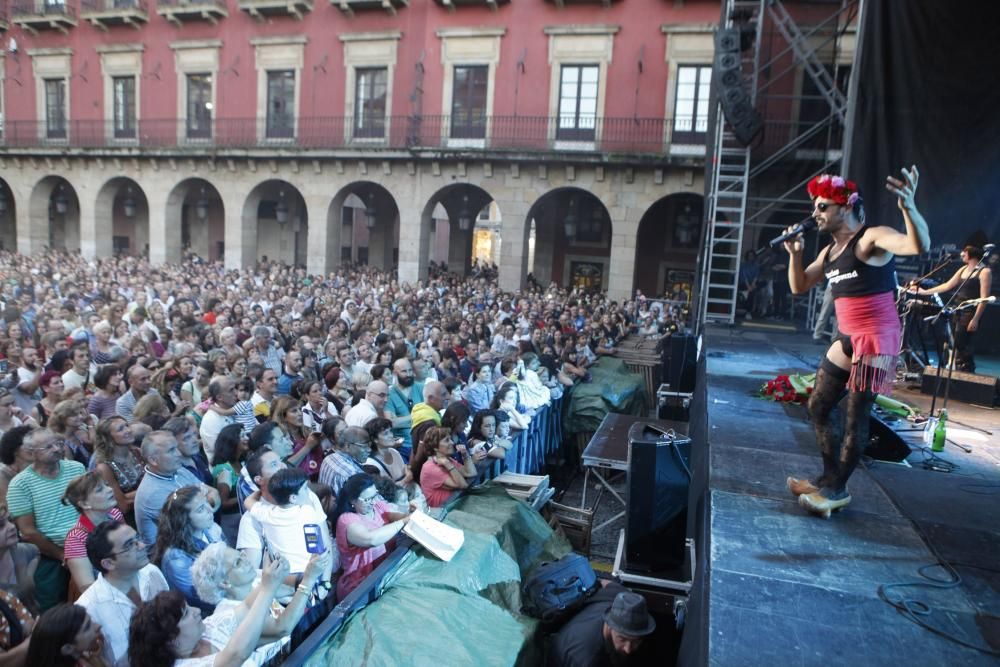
point(727, 204)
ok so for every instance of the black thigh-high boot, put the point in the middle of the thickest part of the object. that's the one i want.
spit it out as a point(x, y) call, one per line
point(829, 389)
point(856, 430)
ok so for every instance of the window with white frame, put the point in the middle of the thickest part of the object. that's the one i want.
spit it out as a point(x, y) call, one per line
point(55, 108)
point(468, 101)
point(281, 104)
point(123, 100)
point(371, 84)
point(578, 102)
point(691, 103)
point(199, 106)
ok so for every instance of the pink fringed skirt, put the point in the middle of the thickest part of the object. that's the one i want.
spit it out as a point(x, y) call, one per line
point(873, 326)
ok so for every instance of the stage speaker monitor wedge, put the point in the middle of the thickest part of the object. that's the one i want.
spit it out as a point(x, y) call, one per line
point(743, 118)
point(965, 387)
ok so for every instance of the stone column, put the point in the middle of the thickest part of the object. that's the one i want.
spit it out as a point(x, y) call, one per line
point(323, 234)
point(514, 249)
point(164, 243)
point(621, 274)
point(241, 241)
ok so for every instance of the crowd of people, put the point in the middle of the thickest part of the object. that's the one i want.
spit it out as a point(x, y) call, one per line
point(195, 459)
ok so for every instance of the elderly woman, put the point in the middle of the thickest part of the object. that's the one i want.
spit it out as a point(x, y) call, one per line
point(69, 423)
point(186, 527)
point(100, 346)
point(224, 577)
point(365, 524)
point(118, 460)
point(435, 468)
point(167, 632)
point(95, 501)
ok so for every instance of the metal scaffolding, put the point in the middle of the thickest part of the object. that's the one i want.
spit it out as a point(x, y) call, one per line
point(795, 60)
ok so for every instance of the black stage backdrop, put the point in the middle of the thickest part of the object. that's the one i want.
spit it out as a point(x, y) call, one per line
point(929, 94)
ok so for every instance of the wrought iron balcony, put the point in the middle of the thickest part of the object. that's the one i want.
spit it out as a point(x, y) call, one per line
point(107, 13)
point(450, 5)
point(483, 134)
point(35, 15)
point(179, 11)
point(351, 6)
point(261, 9)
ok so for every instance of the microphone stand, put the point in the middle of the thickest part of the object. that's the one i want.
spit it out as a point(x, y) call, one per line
point(946, 313)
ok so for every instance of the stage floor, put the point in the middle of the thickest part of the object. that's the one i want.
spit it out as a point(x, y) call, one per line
point(793, 589)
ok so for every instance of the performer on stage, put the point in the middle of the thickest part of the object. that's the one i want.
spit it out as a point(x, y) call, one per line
point(861, 267)
point(978, 286)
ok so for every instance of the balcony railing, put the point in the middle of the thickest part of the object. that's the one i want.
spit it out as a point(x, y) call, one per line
point(649, 136)
point(35, 15)
point(178, 11)
point(104, 13)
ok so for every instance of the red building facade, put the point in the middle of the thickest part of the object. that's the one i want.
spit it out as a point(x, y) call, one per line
point(213, 124)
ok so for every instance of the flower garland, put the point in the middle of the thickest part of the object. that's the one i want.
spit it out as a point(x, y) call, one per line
point(841, 191)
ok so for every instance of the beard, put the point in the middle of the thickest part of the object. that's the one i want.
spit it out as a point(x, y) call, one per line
point(614, 657)
point(406, 382)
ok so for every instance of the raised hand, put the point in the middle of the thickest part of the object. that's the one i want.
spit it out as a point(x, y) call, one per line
point(792, 246)
point(905, 189)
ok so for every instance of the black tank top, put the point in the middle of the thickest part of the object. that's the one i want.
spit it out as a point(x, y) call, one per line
point(852, 277)
point(971, 289)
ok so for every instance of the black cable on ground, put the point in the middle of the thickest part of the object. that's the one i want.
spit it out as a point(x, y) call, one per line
point(913, 609)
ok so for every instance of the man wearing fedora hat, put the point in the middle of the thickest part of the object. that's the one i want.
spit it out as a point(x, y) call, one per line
point(610, 629)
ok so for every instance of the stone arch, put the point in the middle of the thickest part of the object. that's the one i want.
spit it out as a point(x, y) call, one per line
point(371, 212)
point(667, 244)
point(275, 223)
point(121, 213)
point(54, 214)
point(195, 220)
point(8, 217)
point(568, 232)
point(461, 204)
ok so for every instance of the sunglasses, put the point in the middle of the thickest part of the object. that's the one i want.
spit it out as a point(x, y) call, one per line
point(822, 206)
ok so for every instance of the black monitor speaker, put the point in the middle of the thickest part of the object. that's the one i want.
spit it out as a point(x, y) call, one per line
point(659, 475)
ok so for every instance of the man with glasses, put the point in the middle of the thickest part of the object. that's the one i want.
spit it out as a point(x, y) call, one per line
point(34, 500)
point(860, 265)
point(352, 451)
point(125, 580)
point(371, 406)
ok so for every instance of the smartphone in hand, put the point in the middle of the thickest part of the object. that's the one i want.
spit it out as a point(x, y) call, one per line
point(314, 538)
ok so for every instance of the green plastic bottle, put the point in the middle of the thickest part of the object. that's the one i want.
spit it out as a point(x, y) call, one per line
point(937, 445)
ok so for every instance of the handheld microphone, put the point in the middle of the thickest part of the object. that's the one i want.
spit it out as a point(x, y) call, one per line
point(798, 229)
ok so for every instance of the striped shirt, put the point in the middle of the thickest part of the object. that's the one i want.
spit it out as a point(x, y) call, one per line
point(31, 493)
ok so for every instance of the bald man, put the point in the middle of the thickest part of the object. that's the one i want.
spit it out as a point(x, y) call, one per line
point(139, 385)
point(371, 406)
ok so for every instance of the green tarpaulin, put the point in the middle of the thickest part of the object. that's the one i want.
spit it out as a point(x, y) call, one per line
point(613, 388)
point(465, 612)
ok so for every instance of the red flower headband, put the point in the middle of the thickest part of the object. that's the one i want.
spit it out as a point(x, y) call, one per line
point(836, 188)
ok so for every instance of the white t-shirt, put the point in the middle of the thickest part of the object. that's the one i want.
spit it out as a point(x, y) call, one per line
point(283, 528)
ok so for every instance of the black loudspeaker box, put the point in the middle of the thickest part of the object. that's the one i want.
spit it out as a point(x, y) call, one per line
point(680, 362)
point(965, 387)
point(659, 475)
point(737, 106)
point(884, 444)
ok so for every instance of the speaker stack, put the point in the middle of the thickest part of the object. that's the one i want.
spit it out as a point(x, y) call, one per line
point(965, 387)
point(737, 106)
